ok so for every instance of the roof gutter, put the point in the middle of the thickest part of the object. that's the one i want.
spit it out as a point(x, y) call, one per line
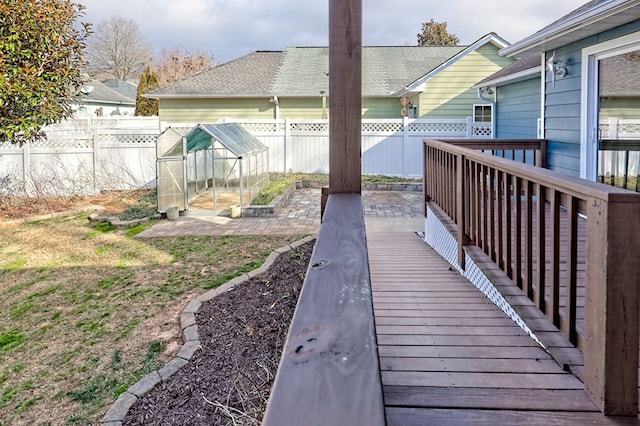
point(512, 78)
point(536, 42)
point(276, 106)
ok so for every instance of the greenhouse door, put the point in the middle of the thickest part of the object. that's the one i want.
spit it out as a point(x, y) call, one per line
point(171, 184)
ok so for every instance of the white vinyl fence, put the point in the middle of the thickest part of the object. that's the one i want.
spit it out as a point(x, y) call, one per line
point(390, 147)
point(90, 160)
point(79, 164)
point(620, 162)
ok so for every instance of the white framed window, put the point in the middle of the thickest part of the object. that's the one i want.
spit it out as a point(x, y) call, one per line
point(482, 113)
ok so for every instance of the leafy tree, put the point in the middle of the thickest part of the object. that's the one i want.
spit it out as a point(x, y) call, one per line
point(41, 58)
point(146, 106)
point(436, 34)
point(178, 63)
point(118, 50)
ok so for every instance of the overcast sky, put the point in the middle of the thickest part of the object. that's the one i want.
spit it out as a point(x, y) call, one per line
point(228, 29)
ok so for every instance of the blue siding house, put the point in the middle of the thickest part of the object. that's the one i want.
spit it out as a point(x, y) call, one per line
point(562, 66)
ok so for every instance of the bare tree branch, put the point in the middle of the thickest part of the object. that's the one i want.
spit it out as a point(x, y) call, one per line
point(118, 50)
point(177, 63)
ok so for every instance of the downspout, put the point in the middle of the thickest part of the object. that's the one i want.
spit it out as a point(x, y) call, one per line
point(493, 109)
point(276, 112)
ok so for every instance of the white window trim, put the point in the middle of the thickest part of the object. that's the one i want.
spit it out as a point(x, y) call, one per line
point(483, 105)
point(589, 99)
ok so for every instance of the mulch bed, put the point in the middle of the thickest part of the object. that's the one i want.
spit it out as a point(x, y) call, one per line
point(242, 334)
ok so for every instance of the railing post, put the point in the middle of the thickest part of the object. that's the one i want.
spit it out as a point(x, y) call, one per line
point(611, 305)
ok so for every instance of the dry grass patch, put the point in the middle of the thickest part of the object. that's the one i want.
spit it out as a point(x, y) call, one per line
point(85, 310)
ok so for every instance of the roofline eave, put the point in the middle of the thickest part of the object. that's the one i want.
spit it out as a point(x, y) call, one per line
point(202, 96)
point(512, 78)
point(537, 42)
point(489, 38)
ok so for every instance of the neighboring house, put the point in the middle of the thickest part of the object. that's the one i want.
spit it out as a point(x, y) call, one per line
point(97, 100)
point(591, 73)
point(515, 91)
point(431, 81)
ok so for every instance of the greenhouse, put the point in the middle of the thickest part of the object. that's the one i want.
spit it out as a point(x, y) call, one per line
point(212, 169)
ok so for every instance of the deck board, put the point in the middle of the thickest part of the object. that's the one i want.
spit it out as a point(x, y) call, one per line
point(449, 356)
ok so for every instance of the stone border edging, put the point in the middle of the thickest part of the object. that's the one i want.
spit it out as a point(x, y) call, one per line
point(189, 329)
point(273, 208)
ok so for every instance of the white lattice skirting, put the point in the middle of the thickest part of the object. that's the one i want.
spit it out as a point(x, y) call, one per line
point(438, 237)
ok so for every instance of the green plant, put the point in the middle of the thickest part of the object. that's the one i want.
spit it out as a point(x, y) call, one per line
point(10, 340)
point(102, 228)
point(42, 48)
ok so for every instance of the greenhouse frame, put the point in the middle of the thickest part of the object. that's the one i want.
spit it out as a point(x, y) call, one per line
point(212, 169)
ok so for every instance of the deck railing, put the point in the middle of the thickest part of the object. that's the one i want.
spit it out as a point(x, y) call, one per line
point(552, 234)
point(329, 372)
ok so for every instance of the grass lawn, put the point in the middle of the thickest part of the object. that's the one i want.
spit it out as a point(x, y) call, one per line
point(86, 310)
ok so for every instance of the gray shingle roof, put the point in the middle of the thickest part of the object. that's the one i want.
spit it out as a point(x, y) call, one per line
point(576, 12)
point(123, 87)
point(302, 71)
point(250, 75)
point(520, 65)
point(103, 94)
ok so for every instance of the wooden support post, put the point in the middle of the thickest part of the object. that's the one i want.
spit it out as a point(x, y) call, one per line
point(611, 306)
point(345, 96)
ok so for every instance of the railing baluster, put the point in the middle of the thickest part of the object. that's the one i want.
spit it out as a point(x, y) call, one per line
point(478, 203)
point(554, 287)
point(460, 192)
point(467, 198)
point(508, 225)
point(540, 247)
point(527, 285)
point(517, 230)
point(492, 214)
point(500, 218)
point(485, 208)
point(472, 202)
point(569, 328)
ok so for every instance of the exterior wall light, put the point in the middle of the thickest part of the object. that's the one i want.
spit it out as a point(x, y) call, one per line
point(555, 68)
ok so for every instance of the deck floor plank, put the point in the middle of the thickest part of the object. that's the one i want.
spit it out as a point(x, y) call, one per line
point(449, 356)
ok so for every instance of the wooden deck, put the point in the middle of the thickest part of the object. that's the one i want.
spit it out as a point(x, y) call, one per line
point(449, 356)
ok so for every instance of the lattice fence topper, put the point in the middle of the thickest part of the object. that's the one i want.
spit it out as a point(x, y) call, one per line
point(8, 146)
point(310, 128)
point(625, 129)
point(420, 127)
point(482, 131)
point(85, 142)
point(143, 138)
point(384, 127)
point(262, 127)
point(439, 238)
